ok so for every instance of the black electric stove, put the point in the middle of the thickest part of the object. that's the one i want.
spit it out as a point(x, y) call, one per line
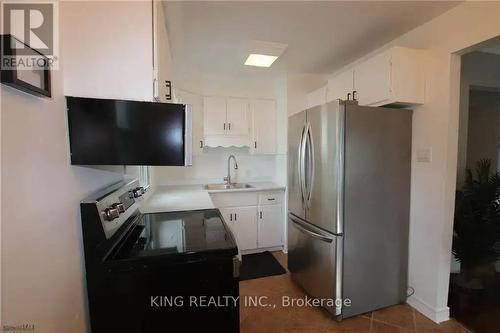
point(157, 272)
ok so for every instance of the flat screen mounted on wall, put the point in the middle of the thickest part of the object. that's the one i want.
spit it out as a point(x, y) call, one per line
point(119, 132)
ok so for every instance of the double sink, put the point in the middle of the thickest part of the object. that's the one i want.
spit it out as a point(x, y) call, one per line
point(232, 186)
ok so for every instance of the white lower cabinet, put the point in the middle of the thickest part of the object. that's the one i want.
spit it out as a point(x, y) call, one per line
point(256, 219)
point(243, 223)
point(270, 231)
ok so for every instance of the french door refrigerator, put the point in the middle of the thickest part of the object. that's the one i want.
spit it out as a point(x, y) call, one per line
point(348, 205)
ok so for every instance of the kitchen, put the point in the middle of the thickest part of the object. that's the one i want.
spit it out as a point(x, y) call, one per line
point(36, 149)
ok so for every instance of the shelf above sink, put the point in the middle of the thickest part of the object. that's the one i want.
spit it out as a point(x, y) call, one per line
point(234, 186)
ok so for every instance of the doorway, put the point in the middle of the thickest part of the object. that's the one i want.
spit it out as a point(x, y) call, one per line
point(475, 273)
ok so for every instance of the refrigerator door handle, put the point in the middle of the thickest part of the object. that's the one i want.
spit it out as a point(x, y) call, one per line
point(313, 234)
point(302, 167)
point(310, 163)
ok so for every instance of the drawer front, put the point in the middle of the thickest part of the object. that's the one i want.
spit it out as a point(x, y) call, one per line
point(234, 199)
point(270, 198)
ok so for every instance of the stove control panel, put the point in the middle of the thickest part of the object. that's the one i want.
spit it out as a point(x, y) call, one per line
point(138, 191)
point(111, 213)
point(117, 205)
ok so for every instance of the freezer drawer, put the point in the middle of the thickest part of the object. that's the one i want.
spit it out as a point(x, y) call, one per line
point(314, 261)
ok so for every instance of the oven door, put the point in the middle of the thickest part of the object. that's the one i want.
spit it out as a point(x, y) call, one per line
point(315, 262)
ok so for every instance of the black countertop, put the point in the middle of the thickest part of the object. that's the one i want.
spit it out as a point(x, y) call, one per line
point(177, 233)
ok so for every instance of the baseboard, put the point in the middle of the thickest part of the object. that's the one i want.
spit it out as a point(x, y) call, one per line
point(436, 315)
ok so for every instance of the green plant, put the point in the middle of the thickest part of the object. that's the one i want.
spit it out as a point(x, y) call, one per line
point(477, 217)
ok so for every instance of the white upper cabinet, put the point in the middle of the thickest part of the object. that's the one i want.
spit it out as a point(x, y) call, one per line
point(340, 85)
point(395, 77)
point(237, 117)
point(264, 126)
point(227, 122)
point(162, 59)
point(214, 115)
point(107, 47)
point(316, 97)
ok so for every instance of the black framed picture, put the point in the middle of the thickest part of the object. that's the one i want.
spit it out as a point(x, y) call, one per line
point(29, 73)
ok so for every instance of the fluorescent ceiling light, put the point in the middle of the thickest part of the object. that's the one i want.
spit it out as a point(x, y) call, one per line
point(260, 60)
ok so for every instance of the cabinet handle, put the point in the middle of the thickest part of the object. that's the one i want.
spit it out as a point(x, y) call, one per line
point(354, 93)
point(271, 199)
point(201, 144)
point(229, 125)
point(230, 217)
point(224, 126)
point(168, 85)
point(255, 144)
point(348, 96)
point(261, 214)
point(235, 217)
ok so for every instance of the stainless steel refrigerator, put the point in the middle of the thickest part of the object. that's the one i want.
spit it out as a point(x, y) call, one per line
point(348, 205)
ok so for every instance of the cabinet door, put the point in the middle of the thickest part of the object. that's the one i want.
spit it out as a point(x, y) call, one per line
point(237, 117)
point(214, 115)
point(245, 227)
point(270, 226)
point(372, 80)
point(340, 85)
point(227, 214)
point(196, 102)
point(162, 59)
point(264, 126)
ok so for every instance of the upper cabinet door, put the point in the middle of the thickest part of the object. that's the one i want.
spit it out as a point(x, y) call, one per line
point(237, 117)
point(215, 122)
point(372, 80)
point(340, 85)
point(162, 59)
point(264, 126)
point(393, 77)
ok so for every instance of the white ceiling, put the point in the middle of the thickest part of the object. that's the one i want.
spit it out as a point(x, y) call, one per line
point(210, 36)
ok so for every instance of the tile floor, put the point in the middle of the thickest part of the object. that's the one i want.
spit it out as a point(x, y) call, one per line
point(253, 319)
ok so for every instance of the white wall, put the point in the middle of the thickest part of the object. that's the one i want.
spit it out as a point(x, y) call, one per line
point(298, 86)
point(42, 258)
point(435, 125)
point(211, 167)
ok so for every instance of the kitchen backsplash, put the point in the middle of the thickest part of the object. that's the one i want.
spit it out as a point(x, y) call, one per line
point(211, 167)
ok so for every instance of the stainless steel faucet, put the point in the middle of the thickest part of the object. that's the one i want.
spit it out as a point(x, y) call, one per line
point(228, 178)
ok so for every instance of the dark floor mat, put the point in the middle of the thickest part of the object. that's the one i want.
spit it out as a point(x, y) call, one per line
point(259, 265)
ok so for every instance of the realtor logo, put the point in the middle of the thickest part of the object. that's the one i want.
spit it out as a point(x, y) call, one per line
point(34, 24)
